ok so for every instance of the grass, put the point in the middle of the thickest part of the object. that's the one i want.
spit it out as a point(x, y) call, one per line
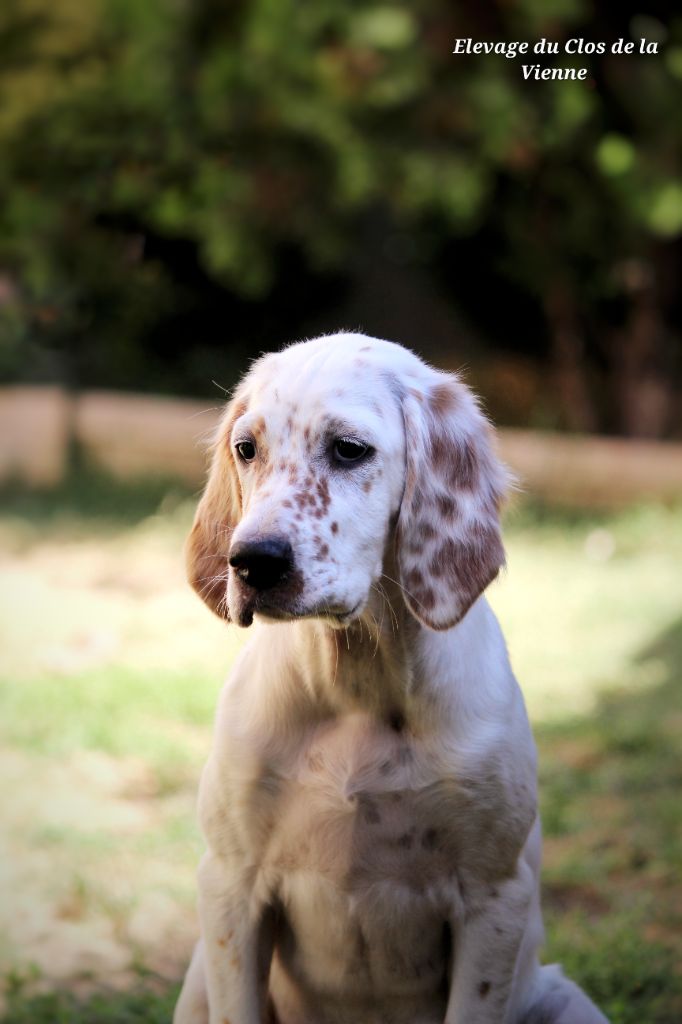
point(109, 677)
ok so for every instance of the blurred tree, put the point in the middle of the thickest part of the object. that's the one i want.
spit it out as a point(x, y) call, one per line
point(181, 177)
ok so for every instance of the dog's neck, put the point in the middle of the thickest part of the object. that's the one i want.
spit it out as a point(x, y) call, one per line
point(370, 664)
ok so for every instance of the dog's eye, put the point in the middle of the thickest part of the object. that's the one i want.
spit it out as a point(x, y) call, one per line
point(348, 449)
point(246, 450)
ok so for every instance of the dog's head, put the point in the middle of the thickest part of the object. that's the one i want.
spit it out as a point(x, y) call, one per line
point(334, 455)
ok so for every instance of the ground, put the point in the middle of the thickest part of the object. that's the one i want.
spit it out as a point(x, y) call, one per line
point(109, 677)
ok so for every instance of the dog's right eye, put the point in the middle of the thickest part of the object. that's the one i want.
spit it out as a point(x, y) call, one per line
point(347, 450)
point(246, 450)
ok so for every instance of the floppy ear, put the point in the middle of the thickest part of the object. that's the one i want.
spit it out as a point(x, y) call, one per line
point(217, 515)
point(448, 543)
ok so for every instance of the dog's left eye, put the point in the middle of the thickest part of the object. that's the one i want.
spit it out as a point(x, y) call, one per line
point(246, 450)
point(348, 449)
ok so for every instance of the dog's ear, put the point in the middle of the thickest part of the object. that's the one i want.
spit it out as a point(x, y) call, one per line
point(448, 543)
point(217, 515)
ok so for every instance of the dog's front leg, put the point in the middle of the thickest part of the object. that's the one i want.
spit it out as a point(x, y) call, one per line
point(487, 942)
point(237, 939)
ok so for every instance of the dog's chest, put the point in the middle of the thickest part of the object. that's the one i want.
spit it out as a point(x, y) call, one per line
point(364, 803)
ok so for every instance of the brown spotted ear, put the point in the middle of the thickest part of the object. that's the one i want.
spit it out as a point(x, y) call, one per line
point(217, 515)
point(448, 543)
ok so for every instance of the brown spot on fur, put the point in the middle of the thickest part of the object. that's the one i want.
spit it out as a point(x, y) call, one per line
point(443, 399)
point(464, 470)
point(426, 530)
point(427, 598)
point(429, 838)
point(367, 486)
point(446, 506)
point(483, 989)
point(405, 840)
point(441, 452)
point(222, 942)
point(334, 527)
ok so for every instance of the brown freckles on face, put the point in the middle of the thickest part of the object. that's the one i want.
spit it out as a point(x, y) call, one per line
point(323, 492)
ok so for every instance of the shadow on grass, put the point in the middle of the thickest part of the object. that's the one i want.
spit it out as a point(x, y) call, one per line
point(612, 815)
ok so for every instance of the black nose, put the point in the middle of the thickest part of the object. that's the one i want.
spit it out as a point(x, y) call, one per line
point(262, 563)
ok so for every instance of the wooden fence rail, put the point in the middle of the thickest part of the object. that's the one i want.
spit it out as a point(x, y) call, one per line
point(142, 435)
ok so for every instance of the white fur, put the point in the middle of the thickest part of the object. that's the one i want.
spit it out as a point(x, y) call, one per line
point(369, 805)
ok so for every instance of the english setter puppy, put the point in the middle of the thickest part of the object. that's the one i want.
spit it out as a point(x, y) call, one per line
point(369, 805)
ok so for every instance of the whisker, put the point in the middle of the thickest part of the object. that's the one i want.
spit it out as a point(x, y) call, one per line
point(404, 589)
point(381, 590)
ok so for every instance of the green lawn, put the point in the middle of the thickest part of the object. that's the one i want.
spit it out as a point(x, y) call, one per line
point(109, 676)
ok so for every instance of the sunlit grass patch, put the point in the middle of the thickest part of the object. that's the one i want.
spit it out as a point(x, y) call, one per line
point(110, 672)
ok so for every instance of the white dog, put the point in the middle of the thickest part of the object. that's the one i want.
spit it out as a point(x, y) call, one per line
point(369, 805)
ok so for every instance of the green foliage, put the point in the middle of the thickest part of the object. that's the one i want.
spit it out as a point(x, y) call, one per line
point(251, 130)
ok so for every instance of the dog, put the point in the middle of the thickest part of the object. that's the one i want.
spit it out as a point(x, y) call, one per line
point(369, 805)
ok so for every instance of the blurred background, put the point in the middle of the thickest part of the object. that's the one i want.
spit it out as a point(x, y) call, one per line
point(187, 183)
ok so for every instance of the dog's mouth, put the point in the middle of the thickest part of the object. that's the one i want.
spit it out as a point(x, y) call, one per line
point(281, 608)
